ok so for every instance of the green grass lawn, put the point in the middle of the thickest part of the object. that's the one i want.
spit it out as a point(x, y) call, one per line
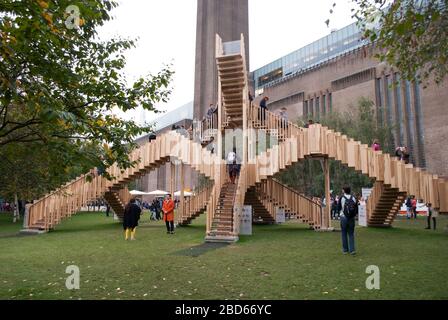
point(278, 262)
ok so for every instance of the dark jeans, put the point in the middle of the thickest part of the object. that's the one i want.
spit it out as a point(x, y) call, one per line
point(433, 221)
point(348, 229)
point(414, 212)
point(334, 213)
point(169, 226)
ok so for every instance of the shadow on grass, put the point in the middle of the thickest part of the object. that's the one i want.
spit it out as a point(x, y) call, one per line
point(201, 249)
point(15, 235)
point(284, 228)
point(90, 228)
point(150, 226)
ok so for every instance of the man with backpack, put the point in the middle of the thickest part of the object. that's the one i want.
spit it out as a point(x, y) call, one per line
point(348, 205)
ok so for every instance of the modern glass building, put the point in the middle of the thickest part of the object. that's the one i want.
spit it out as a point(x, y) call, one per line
point(326, 48)
point(184, 112)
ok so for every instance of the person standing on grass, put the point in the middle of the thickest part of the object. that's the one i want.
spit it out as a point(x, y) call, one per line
point(432, 213)
point(168, 213)
point(409, 207)
point(334, 208)
point(348, 211)
point(131, 218)
point(414, 207)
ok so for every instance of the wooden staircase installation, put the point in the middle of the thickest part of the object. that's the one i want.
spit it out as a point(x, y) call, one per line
point(260, 214)
point(224, 202)
point(275, 194)
point(47, 212)
point(383, 205)
point(232, 77)
point(118, 201)
point(222, 229)
point(195, 206)
point(320, 142)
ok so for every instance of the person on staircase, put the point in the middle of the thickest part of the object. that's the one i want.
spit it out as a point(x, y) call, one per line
point(262, 110)
point(168, 213)
point(348, 212)
point(283, 113)
point(405, 155)
point(131, 218)
point(209, 117)
point(376, 145)
point(432, 214)
point(310, 123)
point(231, 158)
point(234, 171)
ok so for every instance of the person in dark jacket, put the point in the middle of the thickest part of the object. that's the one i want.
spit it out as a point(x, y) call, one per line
point(131, 218)
point(405, 155)
point(262, 110)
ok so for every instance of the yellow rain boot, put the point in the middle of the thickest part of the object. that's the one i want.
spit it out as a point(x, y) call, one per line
point(126, 233)
point(133, 233)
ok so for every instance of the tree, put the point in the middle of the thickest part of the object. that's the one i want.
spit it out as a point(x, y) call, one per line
point(59, 84)
point(30, 170)
point(413, 35)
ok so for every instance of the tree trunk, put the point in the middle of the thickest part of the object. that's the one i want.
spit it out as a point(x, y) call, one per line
point(16, 209)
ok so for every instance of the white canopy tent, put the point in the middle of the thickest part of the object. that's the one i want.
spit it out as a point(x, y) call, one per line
point(152, 193)
point(157, 193)
point(186, 194)
point(138, 193)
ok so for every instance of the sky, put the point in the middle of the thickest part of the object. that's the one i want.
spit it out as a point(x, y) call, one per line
point(166, 33)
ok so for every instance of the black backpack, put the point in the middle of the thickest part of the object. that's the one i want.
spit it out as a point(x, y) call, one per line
point(350, 207)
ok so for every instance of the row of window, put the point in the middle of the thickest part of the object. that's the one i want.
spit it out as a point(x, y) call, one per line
point(328, 47)
point(353, 79)
point(316, 106)
point(399, 106)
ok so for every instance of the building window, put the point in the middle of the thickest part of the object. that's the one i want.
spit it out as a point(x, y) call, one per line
point(330, 102)
point(311, 106)
point(399, 111)
point(324, 104)
point(317, 107)
point(389, 94)
point(419, 125)
point(379, 100)
point(305, 108)
point(271, 76)
point(410, 119)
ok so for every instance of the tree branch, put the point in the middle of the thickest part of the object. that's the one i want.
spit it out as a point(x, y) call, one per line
point(18, 126)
